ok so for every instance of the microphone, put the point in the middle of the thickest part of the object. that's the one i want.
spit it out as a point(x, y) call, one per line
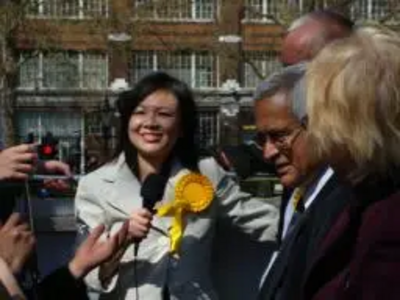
point(152, 191)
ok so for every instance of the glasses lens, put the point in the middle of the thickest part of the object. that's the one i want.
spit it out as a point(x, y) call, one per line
point(260, 139)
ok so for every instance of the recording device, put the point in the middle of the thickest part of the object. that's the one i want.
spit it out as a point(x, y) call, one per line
point(152, 191)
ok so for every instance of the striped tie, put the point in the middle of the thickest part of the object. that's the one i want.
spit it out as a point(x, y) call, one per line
point(298, 205)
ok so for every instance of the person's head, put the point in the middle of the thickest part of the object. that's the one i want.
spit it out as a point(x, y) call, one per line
point(158, 120)
point(353, 103)
point(309, 34)
point(279, 113)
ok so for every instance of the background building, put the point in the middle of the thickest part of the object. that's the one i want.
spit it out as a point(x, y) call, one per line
point(63, 62)
point(68, 58)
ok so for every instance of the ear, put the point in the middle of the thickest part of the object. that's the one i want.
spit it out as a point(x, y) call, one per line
point(304, 121)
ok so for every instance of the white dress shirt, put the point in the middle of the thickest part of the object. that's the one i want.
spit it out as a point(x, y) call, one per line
point(309, 198)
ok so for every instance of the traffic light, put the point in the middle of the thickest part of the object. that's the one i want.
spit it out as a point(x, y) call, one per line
point(48, 148)
point(47, 151)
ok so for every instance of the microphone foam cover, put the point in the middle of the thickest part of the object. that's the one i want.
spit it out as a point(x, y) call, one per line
point(152, 190)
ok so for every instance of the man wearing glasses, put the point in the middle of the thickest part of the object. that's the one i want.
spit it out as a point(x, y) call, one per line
point(314, 196)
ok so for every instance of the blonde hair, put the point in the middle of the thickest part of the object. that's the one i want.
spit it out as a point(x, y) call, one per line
point(353, 100)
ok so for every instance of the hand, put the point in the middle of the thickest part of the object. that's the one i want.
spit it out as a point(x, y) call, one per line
point(17, 162)
point(16, 242)
point(56, 167)
point(94, 252)
point(140, 223)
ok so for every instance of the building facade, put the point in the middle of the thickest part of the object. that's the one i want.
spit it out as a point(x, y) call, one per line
point(72, 53)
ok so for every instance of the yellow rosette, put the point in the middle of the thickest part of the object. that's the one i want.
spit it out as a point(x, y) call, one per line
point(193, 194)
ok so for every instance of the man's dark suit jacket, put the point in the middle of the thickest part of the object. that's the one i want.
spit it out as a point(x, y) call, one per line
point(360, 257)
point(285, 278)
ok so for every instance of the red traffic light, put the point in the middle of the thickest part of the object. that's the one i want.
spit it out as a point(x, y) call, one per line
point(47, 150)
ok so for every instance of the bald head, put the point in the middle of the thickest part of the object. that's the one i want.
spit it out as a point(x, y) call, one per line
point(309, 34)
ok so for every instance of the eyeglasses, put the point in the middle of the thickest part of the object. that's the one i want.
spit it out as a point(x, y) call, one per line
point(283, 140)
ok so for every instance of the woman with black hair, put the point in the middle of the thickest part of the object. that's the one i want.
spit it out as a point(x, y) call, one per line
point(158, 132)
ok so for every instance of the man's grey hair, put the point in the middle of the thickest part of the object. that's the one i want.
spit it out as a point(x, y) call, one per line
point(299, 22)
point(291, 81)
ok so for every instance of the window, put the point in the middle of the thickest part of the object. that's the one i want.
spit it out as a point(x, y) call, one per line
point(203, 9)
point(63, 70)
point(29, 75)
point(370, 9)
point(60, 70)
point(208, 129)
point(68, 8)
point(258, 66)
point(94, 71)
point(176, 10)
point(178, 65)
point(61, 124)
point(261, 10)
point(205, 73)
point(197, 69)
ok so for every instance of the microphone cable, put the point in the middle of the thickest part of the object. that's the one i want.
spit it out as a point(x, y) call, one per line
point(135, 269)
point(32, 264)
point(152, 191)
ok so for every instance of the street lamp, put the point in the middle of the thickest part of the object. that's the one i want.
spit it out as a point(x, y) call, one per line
point(230, 106)
point(230, 109)
point(108, 112)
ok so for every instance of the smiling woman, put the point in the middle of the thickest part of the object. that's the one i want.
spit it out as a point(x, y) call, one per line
point(158, 131)
point(158, 116)
point(154, 125)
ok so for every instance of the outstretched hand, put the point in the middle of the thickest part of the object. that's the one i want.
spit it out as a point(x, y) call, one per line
point(16, 242)
point(57, 167)
point(94, 252)
point(17, 162)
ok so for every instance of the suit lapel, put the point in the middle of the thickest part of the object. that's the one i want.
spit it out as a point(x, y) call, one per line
point(330, 255)
point(284, 202)
point(332, 191)
point(278, 270)
point(121, 190)
point(274, 278)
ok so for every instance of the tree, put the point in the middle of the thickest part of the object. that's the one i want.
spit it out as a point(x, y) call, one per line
point(18, 30)
point(13, 24)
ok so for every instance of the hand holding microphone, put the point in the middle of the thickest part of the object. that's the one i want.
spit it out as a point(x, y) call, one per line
point(152, 191)
point(140, 223)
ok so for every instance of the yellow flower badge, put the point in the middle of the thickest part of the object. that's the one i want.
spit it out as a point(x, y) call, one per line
point(193, 194)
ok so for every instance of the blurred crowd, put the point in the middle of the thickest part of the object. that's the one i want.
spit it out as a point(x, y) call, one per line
point(328, 127)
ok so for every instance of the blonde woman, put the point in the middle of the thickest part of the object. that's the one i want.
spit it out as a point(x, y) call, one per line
point(354, 122)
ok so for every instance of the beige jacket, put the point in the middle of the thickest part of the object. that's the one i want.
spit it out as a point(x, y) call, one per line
point(109, 194)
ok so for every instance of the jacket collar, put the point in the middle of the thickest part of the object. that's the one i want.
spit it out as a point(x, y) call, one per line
point(117, 169)
point(126, 187)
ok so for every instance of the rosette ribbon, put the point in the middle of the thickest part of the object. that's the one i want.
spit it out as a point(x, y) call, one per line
point(193, 194)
